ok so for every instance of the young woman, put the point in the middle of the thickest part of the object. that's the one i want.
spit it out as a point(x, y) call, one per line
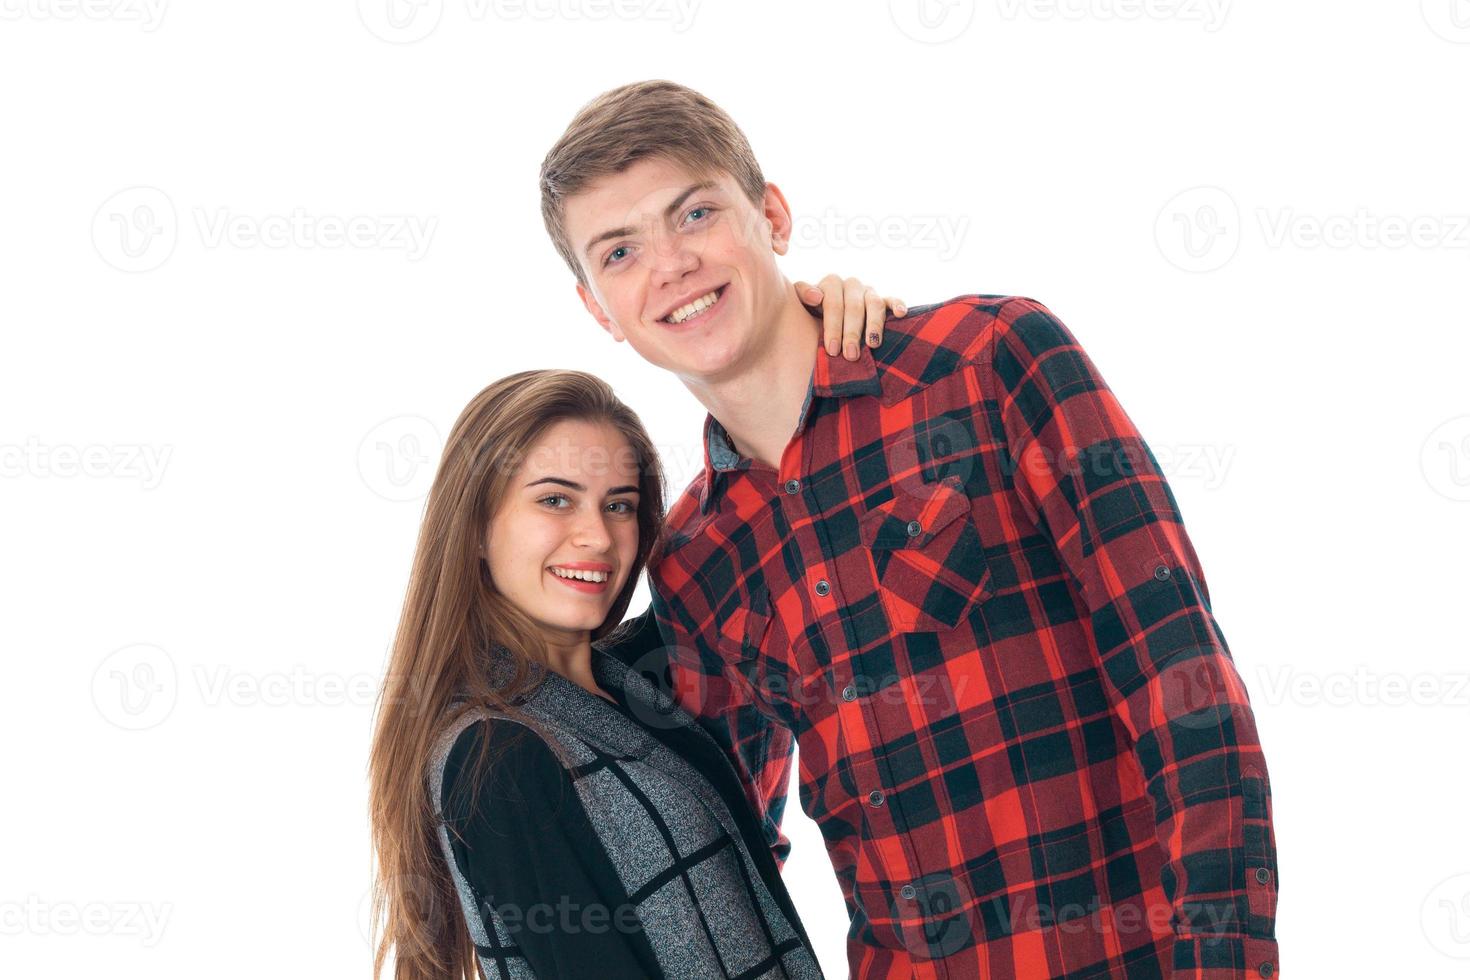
point(539, 809)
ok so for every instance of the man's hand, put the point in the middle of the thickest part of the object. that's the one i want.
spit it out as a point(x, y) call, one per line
point(849, 310)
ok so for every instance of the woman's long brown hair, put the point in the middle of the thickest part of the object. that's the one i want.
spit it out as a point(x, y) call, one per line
point(452, 618)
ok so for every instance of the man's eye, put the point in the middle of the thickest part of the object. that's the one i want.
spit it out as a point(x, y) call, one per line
point(615, 255)
point(695, 211)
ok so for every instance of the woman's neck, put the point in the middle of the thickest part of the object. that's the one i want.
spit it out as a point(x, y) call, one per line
point(573, 660)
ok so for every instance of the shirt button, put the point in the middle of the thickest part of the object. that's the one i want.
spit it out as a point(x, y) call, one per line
point(1263, 876)
point(793, 485)
point(875, 798)
point(823, 588)
point(1161, 573)
point(915, 529)
point(849, 693)
point(907, 892)
point(1266, 969)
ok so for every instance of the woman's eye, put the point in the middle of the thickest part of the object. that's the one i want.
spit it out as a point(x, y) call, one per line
point(615, 255)
point(627, 508)
point(554, 496)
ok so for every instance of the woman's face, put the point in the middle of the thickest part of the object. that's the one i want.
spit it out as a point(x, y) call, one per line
point(567, 531)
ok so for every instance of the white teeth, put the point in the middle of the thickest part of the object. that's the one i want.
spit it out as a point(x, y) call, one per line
point(579, 574)
point(685, 312)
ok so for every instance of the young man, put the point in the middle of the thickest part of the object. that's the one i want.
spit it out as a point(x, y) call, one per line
point(951, 570)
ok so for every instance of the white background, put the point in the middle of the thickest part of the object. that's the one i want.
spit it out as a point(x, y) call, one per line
point(218, 425)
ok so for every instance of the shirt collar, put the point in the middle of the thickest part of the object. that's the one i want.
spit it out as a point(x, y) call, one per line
point(832, 377)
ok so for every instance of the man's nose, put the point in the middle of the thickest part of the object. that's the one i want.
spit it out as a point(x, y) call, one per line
point(671, 256)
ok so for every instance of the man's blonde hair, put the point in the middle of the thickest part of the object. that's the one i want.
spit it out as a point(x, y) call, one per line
point(652, 119)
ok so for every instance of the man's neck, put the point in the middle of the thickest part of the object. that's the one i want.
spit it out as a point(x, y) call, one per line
point(759, 407)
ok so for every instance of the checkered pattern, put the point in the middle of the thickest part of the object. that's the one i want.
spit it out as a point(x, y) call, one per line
point(968, 595)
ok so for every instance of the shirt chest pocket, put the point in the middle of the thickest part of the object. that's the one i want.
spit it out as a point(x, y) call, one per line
point(927, 556)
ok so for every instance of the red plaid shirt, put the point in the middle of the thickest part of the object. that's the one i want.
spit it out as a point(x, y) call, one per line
point(968, 595)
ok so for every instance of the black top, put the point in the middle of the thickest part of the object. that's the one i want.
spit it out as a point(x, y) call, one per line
point(536, 853)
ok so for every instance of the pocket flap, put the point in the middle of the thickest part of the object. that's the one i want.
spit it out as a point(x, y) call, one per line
point(914, 516)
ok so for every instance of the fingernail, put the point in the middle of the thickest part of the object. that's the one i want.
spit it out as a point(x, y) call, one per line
point(873, 339)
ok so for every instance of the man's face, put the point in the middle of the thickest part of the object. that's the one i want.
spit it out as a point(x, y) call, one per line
point(657, 243)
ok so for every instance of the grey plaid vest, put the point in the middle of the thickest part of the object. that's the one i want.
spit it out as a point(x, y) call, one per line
point(641, 798)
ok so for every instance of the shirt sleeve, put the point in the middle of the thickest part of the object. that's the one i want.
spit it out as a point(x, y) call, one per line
point(759, 748)
point(528, 849)
point(1088, 480)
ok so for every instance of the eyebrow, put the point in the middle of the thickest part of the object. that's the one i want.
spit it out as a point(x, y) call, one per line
point(677, 203)
point(577, 486)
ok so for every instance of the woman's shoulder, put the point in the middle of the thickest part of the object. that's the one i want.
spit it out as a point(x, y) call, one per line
point(501, 760)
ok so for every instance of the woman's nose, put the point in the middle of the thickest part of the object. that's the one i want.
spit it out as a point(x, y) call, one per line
point(591, 532)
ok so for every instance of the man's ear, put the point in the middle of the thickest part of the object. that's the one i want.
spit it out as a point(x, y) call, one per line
point(598, 313)
point(775, 210)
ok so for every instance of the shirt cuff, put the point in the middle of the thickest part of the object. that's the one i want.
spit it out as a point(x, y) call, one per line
point(1225, 958)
